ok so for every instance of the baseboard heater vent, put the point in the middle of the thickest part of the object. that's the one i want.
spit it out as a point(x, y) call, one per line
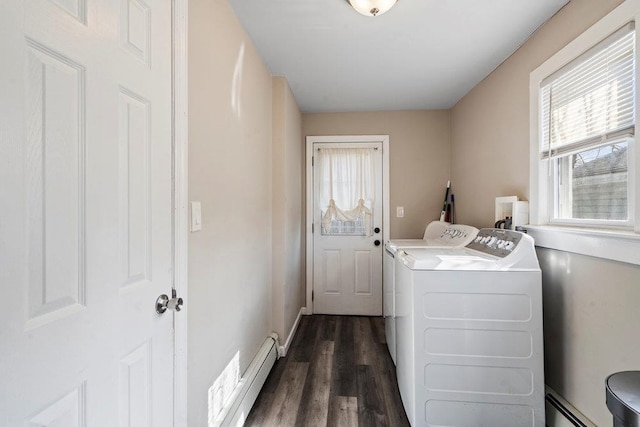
point(245, 393)
point(560, 413)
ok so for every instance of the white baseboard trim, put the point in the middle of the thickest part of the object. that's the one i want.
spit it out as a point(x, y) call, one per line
point(283, 349)
point(306, 311)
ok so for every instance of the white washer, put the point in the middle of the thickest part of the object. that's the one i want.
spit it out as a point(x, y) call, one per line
point(469, 333)
point(437, 234)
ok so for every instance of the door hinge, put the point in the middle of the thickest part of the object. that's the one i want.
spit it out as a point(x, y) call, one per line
point(312, 228)
point(312, 295)
point(312, 160)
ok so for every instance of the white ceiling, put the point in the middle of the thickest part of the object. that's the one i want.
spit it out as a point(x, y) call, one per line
point(422, 54)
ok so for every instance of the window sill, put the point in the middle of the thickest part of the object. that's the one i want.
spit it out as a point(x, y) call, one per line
point(622, 246)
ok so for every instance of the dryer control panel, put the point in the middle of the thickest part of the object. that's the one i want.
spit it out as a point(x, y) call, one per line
point(455, 235)
point(496, 241)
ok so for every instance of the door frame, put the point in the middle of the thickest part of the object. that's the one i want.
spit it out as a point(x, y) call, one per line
point(180, 212)
point(384, 139)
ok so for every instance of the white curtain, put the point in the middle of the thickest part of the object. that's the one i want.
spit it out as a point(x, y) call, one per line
point(346, 185)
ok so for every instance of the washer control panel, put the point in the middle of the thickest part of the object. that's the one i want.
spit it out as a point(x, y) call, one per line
point(496, 241)
point(457, 234)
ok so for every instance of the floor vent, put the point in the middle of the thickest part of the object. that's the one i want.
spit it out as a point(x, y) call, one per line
point(560, 413)
point(245, 393)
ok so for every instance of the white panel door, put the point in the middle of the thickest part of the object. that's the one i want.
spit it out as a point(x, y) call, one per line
point(85, 209)
point(347, 261)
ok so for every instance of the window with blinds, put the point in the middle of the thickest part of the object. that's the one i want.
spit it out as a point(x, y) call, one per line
point(587, 130)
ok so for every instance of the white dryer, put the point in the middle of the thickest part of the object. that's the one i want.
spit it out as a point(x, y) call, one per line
point(469, 333)
point(437, 234)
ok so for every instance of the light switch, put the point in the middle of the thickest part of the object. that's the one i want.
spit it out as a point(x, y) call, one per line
point(196, 216)
point(400, 211)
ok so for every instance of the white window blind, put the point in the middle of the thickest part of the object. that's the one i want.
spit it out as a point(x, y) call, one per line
point(590, 101)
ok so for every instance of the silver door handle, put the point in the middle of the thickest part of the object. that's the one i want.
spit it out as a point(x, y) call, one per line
point(164, 303)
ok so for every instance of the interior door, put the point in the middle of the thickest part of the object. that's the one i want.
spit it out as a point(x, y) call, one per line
point(347, 255)
point(85, 181)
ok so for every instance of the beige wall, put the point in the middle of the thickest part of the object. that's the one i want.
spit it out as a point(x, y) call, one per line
point(490, 125)
point(287, 160)
point(230, 131)
point(418, 160)
point(590, 304)
point(591, 321)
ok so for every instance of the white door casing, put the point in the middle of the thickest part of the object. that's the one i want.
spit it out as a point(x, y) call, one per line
point(344, 273)
point(85, 122)
point(180, 204)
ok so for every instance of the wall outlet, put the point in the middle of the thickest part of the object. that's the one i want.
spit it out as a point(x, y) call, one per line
point(400, 211)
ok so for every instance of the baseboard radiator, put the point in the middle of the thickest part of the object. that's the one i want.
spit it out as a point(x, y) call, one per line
point(245, 393)
point(560, 413)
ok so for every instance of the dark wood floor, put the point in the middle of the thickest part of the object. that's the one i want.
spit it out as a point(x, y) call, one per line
point(338, 372)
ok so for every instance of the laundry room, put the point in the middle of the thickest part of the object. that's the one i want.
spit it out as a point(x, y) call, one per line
point(481, 144)
point(288, 213)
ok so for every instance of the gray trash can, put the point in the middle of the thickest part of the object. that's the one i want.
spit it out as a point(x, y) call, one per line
point(623, 398)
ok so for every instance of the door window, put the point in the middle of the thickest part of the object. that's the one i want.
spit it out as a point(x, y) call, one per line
point(346, 190)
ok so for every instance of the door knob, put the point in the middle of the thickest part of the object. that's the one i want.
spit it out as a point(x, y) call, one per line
point(376, 230)
point(376, 242)
point(164, 303)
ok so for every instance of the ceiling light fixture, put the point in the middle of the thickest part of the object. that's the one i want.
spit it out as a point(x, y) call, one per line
point(372, 7)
